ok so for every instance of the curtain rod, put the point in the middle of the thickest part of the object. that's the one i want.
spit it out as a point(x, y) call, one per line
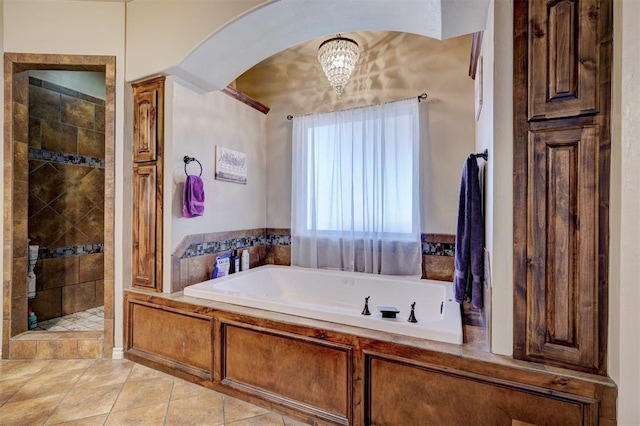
point(421, 97)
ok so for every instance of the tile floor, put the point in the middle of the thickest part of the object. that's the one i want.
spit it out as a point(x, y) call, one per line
point(115, 392)
point(91, 319)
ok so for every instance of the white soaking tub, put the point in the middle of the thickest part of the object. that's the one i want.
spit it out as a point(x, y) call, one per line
point(339, 297)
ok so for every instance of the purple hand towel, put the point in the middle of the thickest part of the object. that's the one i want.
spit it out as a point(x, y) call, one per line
point(193, 197)
point(469, 250)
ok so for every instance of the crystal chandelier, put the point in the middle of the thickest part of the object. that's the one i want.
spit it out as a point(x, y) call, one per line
point(338, 56)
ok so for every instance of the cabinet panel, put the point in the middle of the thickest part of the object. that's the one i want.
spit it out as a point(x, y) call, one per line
point(563, 58)
point(399, 393)
point(144, 226)
point(319, 373)
point(173, 338)
point(148, 100)
point(562, 283)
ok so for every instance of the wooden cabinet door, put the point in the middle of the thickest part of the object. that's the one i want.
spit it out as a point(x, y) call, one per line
point(562, 284)
point(563, 58)
point(148, 101)
point(562, 106)
point(144, 226)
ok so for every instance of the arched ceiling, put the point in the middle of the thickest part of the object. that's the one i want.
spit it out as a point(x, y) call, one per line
point(280, 24)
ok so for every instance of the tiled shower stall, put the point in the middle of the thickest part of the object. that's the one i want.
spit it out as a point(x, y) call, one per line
point(66, 198)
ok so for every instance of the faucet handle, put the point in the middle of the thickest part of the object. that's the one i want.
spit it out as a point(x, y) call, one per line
point(365, 311)
point(412, 315)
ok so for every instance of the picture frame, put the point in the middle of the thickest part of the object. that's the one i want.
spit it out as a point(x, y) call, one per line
point(231, 166)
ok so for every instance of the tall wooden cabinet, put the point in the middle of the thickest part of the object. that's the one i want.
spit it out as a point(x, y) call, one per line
point(148, 142)
point(562, 90)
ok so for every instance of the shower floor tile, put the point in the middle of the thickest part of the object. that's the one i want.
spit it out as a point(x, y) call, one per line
point(91, 319)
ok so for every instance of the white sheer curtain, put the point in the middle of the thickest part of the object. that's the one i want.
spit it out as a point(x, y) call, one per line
point(355, 190)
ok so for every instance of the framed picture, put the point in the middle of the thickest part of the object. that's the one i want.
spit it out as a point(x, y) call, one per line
point(231, 166)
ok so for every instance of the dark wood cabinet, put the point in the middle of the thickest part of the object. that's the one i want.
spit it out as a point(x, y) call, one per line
point(144, 226)
point(563, 58)
point(148, 144)
point(562, 74)
point(148, 100)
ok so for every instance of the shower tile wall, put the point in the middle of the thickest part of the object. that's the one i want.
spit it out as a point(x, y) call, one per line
point(66, 198)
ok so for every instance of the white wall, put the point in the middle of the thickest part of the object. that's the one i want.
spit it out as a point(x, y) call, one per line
point(624, 322)
point(160, 34)
point(79, 28)
point(199, 123)
point(396, 66)
point(495, 132)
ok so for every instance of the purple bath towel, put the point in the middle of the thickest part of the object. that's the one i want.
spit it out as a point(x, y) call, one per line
point(193, 197)
point(469, 250)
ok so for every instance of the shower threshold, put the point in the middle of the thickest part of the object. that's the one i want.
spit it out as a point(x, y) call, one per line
point(89, 320)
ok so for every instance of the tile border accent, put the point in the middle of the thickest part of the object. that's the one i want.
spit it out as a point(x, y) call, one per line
point(438, 245)
point(59, 157)
point(200, 249)
point(69, 251)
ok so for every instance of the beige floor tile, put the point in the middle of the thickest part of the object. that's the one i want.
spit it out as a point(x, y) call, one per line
point(140, 372)
point(143, 392)
point(48, 383)
point(270, 419)
point(235, 409)
point(29, 412)
point(288, 421)
point(20, 369)
point(196, 410)
point(88, 421)
point(184, 389)
point(105, 372)
point(82, 403)
point(143, 416)
point(8, 388)
point(68, 364)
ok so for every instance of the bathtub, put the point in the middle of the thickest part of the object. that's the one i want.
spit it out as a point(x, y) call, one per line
point(339, 297)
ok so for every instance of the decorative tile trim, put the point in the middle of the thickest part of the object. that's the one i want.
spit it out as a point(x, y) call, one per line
point(200, 249)
point(278, 240)
point(59, 157)
point(69, 251)
point(438, 249)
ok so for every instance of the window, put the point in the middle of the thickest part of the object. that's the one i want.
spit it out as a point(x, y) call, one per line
point(355, 180)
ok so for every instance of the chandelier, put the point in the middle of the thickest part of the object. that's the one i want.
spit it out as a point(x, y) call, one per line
point(338, 56)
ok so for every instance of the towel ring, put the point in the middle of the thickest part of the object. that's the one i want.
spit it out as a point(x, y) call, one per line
point(187, 160)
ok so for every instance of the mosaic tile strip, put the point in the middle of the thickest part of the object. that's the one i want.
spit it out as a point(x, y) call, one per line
point(69, 251)
point(200, 249)
point(59, 157)
point(278, 240)
point(438, 249)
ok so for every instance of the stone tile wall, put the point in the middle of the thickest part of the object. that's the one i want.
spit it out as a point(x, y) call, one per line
point(194, 258)
point(66, 198)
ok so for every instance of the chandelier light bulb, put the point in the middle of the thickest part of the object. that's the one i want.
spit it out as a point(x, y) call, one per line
point(338, 57)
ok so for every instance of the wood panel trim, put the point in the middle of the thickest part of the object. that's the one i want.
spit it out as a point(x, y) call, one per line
point(589, 405)
point(223, 326)
point(474, 56)
point(245, 99)
point(130, 303)
point(466, 363)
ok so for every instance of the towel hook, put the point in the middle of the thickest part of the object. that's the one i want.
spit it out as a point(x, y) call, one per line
point(187, 160)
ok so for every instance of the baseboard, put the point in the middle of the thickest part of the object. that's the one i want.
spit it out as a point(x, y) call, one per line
point(118, 353)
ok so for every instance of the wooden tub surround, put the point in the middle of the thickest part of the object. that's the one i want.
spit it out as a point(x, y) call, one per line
point(327, 373)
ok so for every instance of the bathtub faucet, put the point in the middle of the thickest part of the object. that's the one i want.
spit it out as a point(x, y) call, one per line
point(365, 311)
point(412, 315)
